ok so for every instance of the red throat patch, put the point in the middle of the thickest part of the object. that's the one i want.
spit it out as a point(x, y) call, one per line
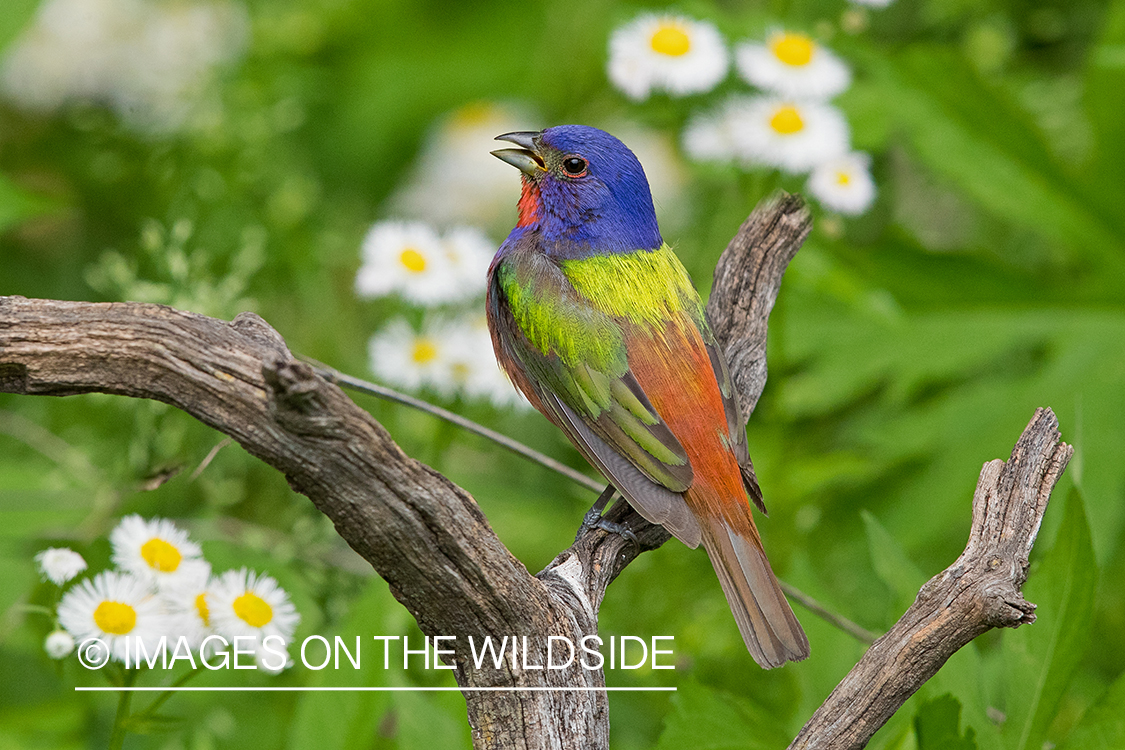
point(529, 203)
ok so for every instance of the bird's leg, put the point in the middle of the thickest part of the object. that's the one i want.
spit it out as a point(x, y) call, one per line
point(593, 519)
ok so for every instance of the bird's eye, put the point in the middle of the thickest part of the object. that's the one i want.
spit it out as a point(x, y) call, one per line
point(575, 166)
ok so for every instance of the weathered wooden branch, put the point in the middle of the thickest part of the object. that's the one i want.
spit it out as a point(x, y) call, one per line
point(432, 544)
point(978, 592)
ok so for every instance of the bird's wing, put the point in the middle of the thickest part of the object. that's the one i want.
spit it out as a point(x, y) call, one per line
point(573, 359)
point(736, 424)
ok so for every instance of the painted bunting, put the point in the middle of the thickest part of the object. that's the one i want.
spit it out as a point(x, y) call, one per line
point(596, 321)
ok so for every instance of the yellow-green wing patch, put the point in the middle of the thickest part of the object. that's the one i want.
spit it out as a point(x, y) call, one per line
point(576, 351)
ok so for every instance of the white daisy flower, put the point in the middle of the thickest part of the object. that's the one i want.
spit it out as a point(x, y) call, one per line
point(461, 342)
point(455, 179)
point(155, 551)
point(844, 184)
point(59, 564)
point(59, 644)
point(873, 3)
point(118, 609)
point(408, 258)
point(708, 136)
point(242, 603)
point(185, 601)
point(666, 53)
point(854, 20)
point(792, 65)
point(793, 136)
point(473, 364)
point(469, 251)
point(403, 357)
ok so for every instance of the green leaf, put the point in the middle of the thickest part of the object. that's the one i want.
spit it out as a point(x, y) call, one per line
point(964, 677)
point(943, 375)
point(972, 135)
point(346, 720)
point(938, 726)
point(1105, 78)
point(1103, 724)
point(891, 563)
point(897, 733)
point(57, 723)
point(1043, 658)
point(705, 719)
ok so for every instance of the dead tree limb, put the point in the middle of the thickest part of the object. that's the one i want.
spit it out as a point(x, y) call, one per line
point(429, 540)
point(978, 592)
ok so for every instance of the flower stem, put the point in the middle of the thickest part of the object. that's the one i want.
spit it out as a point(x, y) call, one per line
point(117, 739)
point(36, 609)
point(163, 698)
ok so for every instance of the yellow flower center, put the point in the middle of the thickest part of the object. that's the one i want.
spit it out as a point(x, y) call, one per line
point(787, 120)
point(201, 609)
point(475, 113)
point(253, 610)
point(843, 179)
point(461, 371)
point(793, 49)
point(425, 351)
point(115, 618)
point(670, 39)
point(160, 555)
point(414, 261)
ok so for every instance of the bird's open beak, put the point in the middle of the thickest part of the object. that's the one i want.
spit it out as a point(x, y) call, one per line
point(526, 159)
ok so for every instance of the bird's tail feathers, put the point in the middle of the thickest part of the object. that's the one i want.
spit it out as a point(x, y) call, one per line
point(767, 623)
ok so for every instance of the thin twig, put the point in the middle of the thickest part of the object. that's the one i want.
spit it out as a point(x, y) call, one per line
point(858, 632)
point(209, 458)
point(363, 386)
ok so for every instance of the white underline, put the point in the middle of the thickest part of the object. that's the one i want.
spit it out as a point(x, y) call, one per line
point(284, 689)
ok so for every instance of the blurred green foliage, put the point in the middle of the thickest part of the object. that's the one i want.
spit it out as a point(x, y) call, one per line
point(908, 347)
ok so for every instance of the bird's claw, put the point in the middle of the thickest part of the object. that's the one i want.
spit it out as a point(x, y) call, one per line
point(620, 529)
point(594, 520)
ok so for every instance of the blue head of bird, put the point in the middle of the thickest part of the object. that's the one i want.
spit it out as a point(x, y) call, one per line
point(584, 192)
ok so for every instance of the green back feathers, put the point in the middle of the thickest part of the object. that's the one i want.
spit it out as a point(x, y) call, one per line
point(645, 287)
point(571, 315)
point(555, 322)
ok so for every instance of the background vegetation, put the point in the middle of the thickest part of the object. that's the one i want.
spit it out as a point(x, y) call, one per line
point(909, 346)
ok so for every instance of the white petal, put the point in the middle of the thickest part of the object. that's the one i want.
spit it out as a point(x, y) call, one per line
point(844, 184)
point(637, 69)
point(59, 564)
point(824, 76)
